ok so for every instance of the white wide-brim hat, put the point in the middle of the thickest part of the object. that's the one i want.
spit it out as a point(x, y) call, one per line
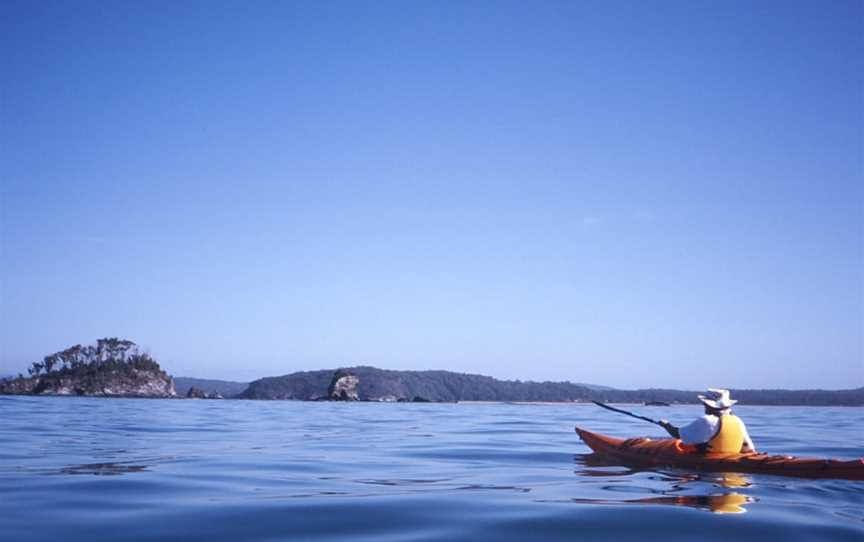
point(717, 399)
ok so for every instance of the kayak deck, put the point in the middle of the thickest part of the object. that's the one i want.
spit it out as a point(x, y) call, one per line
point(669, 451)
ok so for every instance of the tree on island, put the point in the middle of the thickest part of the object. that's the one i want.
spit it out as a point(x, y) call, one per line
point(111, 367)
point(106, 354)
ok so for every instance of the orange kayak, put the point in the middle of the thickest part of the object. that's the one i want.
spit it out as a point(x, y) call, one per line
point(671, 452)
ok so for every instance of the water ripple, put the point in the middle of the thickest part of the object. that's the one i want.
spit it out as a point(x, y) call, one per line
point(126, 469)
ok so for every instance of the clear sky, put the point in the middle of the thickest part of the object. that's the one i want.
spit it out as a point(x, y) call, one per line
point(663, 194)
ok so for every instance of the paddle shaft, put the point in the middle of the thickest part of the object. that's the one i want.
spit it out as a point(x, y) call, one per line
point(618, 410)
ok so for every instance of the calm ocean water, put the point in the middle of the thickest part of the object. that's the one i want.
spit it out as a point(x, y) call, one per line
point(127, 469)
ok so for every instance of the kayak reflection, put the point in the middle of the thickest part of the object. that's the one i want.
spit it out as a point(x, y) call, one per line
point(676, 484)
point(722, 479)
point(728, 503)
point(732, 479)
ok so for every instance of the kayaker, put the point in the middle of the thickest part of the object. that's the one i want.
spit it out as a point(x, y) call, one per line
point(718, 430)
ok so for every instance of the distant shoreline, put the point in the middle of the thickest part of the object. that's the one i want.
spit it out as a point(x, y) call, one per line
point(469, 403)
point(143, 378)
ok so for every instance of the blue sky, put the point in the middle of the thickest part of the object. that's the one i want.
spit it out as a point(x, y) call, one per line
point(639, 194)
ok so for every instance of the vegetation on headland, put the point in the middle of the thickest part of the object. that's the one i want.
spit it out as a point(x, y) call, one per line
point(106, 354)
point(111, 367)
point(387, 385)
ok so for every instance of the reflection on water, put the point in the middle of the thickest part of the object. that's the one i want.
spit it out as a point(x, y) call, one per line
point(727, 503)
point(673, 494)
point(733, 479)
point(723, 479)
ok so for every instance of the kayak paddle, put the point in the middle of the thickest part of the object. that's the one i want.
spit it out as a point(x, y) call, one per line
point(618, 410)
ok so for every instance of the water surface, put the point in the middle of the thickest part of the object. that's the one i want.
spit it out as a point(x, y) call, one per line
point(138, 469)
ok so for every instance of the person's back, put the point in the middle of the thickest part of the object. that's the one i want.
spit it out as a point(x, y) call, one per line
point(718, 431)
point(731, 436)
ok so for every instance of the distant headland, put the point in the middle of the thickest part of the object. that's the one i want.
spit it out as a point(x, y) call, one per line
point(116, 368)
point(445, 386)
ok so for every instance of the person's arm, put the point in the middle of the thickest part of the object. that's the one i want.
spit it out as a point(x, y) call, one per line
point(671, 429)
point(748, 446)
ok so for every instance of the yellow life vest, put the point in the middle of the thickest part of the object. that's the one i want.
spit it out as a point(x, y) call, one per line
point(730, 438)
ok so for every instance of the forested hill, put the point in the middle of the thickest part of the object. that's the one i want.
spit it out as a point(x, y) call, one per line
point(388, 385)
point(381, 384)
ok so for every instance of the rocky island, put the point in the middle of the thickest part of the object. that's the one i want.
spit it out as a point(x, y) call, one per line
point(198, 393)
point(110, 368)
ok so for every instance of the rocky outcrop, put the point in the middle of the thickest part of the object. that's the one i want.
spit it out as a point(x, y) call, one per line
point(196, 393)
point(18, 386)
point(115, 383)
point(224, 388)
point(343, 387)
